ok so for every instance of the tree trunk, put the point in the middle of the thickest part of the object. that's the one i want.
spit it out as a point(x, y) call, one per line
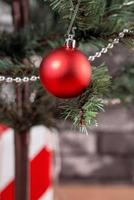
point(22, 145)
point(20, 12)
point(21, 166)
point(16, 14)
point(24, 9)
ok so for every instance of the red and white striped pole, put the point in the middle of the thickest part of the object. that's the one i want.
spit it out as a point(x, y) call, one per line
point(40, 158)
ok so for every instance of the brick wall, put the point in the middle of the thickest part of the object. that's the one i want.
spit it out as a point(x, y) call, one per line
point(105, 155)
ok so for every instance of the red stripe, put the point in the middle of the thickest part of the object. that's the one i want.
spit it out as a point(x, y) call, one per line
point(40, 174)
point(8, 193)
point(40, 177)
point(3, 128)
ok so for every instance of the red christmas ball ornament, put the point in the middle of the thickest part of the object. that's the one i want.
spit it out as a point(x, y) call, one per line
point(65, 72)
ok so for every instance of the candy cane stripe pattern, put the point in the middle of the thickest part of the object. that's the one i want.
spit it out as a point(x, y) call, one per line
point(40, 156)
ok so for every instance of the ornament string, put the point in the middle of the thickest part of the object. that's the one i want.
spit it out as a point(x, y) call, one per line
point(73, 17)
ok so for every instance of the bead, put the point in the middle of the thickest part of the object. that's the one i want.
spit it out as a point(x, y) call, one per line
point(18, 80)
point(110, 46)
point(96, 124)
point(25, 79)
point(121, 35)
point(2, 78)
point(33, 78)
point(131, 32)
point(91, 58)
point(102, 50)
point(98, 54)
point(116, 41)
point(9, 79)
point(125, 30)
point(105, 50)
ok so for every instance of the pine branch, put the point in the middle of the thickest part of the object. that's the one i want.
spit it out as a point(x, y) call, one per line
point(33, 109)
point(9, 68)
point(26, 43)
point(97, 21)
point(83, 109)
point(97, 15)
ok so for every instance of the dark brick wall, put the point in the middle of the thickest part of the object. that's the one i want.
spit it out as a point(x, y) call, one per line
point(105, 155)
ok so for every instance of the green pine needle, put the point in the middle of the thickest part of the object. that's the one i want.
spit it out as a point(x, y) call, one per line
point(84, 109)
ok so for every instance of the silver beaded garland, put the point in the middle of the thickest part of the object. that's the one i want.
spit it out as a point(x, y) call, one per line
point(109, 46)
point(104, 50)
point(24, 79)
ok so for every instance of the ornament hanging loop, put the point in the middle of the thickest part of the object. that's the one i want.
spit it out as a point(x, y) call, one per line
point(73, 31)
point(70, 42)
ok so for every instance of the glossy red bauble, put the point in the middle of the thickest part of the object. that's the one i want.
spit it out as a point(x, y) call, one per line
point(65, 72)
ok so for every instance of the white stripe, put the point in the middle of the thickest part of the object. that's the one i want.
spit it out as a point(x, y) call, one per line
point(40, 137)
point(48, 195)
point(6, 158)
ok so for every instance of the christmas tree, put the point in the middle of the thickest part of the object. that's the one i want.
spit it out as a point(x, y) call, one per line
point(100, 25)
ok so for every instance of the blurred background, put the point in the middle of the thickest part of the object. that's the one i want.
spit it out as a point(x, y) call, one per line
point(100, 165)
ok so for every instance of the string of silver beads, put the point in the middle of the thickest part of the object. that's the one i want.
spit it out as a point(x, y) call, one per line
point(109, 46)
point(33, 78)
point(24, 79)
